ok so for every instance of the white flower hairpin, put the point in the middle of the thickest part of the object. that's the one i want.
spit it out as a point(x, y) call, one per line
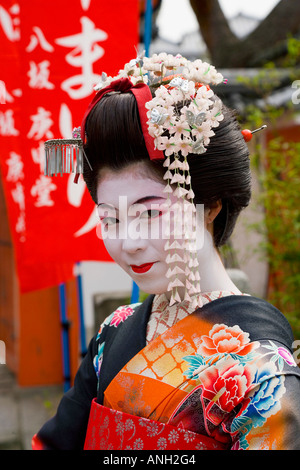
point(181, 118)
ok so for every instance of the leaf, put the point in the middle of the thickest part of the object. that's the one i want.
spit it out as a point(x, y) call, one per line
point(240, 422)
point(268, 347)
point(280, 364)
point(195, 360)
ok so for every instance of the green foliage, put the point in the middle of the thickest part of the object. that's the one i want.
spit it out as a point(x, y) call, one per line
point(293, 52)
point(264, 81)
point(278, 169)
point(281, 182)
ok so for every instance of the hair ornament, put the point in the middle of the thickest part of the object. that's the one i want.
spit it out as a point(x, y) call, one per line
point(247, 134)
point(177, 121)
point(65, 155)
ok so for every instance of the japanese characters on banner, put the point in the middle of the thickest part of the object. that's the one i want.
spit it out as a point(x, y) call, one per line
point(52, 55)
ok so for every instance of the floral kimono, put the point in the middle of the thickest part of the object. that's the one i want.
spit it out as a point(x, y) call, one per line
point(220, 378)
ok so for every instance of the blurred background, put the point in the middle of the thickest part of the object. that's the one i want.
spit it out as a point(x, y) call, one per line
point(57, 282)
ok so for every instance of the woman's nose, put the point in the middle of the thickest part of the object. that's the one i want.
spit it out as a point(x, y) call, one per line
point(133, 241)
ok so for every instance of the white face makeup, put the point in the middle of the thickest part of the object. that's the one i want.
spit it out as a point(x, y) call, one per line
point(134, 216)
point(131, 207)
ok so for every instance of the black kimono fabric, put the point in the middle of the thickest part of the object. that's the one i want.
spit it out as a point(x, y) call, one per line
point(115, 346)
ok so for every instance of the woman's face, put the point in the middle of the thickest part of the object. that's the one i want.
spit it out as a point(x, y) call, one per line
point(135, 224)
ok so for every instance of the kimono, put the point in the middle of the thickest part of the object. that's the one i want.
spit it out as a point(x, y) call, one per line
point(221, 378)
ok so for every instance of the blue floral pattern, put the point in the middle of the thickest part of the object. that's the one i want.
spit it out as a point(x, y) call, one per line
point(239, 375)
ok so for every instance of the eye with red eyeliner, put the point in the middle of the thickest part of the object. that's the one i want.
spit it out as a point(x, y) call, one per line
point(107, 216)
point(151, 214)
point(108, 219)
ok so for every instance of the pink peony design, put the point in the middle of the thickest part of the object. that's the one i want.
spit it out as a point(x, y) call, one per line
point(226, 339)
point(227, 383)
point(120, 315)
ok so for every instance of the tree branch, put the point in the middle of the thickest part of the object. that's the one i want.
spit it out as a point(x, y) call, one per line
point(227, 50)
point(214, 28)
point(270, 35)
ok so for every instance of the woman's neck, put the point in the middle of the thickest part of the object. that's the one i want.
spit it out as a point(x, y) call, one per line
point(213, 275)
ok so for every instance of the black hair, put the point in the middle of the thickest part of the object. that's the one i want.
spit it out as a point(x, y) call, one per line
point(115, 140)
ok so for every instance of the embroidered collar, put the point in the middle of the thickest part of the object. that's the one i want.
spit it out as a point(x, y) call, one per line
point(164, 316)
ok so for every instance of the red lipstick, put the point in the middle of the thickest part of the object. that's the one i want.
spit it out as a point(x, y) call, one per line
point(143, 268)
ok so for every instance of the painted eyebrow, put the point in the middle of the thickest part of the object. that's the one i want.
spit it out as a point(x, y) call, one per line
point(104, 205)
point(146, 199)
point(139, 201)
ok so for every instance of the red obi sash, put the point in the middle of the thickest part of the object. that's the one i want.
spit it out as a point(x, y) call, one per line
point(114, 430)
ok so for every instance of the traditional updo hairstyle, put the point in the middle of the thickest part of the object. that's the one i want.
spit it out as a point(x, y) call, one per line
point(115, 140)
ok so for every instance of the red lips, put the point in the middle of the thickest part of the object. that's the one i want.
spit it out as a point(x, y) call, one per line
point(143, 268)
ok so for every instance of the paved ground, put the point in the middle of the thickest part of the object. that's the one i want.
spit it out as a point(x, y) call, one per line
point(23, 410)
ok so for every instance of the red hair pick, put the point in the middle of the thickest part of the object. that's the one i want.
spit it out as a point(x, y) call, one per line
point(247, 134)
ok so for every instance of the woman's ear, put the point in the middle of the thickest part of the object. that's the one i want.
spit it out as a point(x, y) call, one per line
point(212, 212)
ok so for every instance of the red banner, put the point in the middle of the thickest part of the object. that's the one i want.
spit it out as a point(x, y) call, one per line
point(52, 55)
